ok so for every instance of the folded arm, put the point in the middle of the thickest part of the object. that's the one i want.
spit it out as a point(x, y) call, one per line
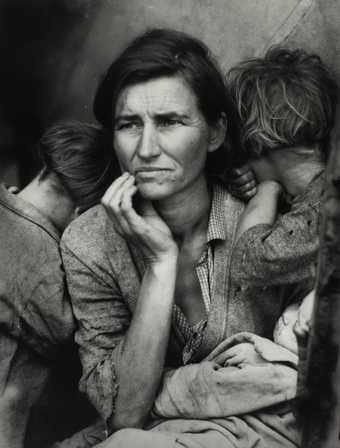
point(210, 390)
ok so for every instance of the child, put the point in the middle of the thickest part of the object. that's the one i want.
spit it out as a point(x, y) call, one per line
point(286, 105)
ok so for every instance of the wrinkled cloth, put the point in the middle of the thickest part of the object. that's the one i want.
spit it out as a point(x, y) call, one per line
point(104, 274)
point(209, 390)
point(269, 429)
point(207, 405)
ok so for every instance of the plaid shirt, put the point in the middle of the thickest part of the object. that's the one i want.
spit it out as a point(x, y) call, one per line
point(192, 335)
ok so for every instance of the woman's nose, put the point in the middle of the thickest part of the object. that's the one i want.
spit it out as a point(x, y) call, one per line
point(148, 145)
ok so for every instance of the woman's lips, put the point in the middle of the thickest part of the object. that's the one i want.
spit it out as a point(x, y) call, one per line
point(149, 169)
point(148, 173)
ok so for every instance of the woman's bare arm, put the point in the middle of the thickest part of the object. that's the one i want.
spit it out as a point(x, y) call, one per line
point(143, 350)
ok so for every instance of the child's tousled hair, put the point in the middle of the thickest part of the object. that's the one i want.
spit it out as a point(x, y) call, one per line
point(285, 99)
point(80, 155)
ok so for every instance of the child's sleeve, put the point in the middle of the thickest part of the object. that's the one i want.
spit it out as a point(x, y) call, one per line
point(282, 253)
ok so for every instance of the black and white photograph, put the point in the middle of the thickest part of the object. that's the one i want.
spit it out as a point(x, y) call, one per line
point(170, 224)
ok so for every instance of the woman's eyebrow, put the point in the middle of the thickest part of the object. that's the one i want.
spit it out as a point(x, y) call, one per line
point(171, 115)
point(126, 117)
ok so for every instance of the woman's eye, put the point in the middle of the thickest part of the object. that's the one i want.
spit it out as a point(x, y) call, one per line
point(127, 125)
point(167, 122)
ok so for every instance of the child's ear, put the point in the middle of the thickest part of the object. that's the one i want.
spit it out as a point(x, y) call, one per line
point(218, 133)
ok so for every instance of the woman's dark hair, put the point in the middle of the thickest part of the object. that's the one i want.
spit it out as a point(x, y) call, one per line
point(287, 98)
point(80, 155)
point(163, 52)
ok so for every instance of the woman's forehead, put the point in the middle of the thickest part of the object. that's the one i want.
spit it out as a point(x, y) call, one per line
point(160, 95)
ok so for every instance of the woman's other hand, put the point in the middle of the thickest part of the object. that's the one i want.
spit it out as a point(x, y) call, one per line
point(147, 230)
point(242, 183)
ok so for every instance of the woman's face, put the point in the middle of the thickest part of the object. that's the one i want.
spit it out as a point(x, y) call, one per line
point(161, 137)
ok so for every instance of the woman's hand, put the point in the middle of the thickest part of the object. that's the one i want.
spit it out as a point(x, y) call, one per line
point(242, 183)
point(147, 230)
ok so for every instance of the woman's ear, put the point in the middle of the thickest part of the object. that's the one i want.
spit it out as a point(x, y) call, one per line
point(218, 133)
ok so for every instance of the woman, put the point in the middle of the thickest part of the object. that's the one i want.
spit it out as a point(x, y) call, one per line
point(149, 272)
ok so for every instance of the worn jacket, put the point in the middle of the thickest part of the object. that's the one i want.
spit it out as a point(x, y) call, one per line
point(38, 362)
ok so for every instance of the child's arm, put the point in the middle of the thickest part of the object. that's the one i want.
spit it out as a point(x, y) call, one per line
point(285, 251)
point(262, 208)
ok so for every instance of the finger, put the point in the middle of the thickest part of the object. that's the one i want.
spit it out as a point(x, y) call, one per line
point(249, 194)
point(123, 202)
point(114, 187)
point(240, 171)
point(131, 219)
point(114, 198)
point(136, 222)
point(223, 357)
point(243, 180)
point(243, 188)
point(243, 196)
point(113, 205)
point(234, 361)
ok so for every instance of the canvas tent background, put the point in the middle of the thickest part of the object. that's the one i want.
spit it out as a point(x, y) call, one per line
point(54, 52)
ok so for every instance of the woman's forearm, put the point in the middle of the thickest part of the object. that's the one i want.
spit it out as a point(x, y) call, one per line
point(143, 353)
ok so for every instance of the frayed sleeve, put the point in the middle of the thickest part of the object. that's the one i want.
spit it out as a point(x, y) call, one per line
point(283, 253)
point(103, 318)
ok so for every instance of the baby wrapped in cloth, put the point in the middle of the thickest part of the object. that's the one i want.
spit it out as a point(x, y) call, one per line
point(240, 396)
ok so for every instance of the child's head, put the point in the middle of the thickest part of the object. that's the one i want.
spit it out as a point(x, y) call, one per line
point(294, 321)
point(79, 157)
point(285, 99)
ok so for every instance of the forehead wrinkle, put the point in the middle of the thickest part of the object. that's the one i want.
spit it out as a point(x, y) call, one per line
point(142, 98)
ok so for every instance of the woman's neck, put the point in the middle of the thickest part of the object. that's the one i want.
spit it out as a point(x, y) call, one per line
point(187, 213)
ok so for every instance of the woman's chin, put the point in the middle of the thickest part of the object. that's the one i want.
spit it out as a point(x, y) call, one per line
point(153, 192)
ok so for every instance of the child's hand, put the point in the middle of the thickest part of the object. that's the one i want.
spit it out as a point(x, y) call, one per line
point(242, 183)
point(239, 354)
